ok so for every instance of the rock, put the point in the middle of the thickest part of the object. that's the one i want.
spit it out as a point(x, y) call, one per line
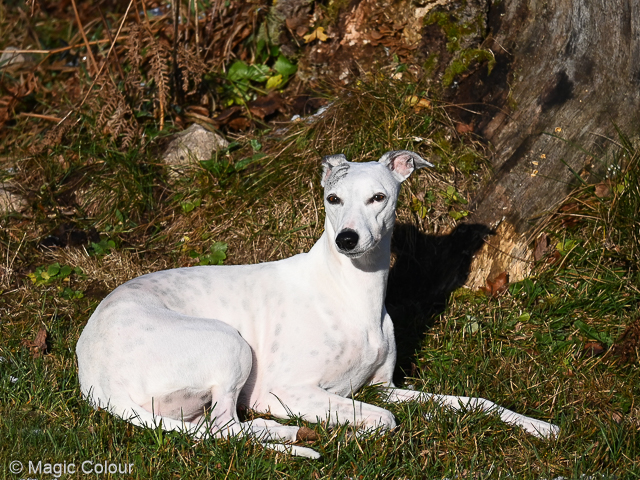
point(9, 201)
point(195, 144)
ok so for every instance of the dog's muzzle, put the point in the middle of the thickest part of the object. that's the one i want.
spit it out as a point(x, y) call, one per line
point(347, 240)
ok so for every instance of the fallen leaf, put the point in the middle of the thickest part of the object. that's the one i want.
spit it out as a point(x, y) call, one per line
point(628, 345)
point(197, 109)
point(262, 107)
point(464, 128)
point(412, 100)
point(240, 123)
point(305, 434)
point(39, 346)
point(227, 115)
point(617, 417)
point(318, 34)
point(423, 103)
point(498, 286)
point(602, 190)
point(554, 257)
point(541, 248)
point(593, 349)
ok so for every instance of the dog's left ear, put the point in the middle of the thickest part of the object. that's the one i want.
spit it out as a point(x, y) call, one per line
point(329, 162)
point(402, 163)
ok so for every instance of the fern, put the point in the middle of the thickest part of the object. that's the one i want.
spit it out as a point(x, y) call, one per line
point(192, 68)
point(160, 71)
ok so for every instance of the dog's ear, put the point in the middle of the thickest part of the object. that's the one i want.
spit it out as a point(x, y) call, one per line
point(402, 163)
point(329, 162)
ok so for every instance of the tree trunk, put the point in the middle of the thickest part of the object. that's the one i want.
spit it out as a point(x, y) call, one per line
point(566, 73)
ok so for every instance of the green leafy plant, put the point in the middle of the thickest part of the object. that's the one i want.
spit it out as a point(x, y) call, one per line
point(245, 80)
point(103, 247)
point(216, 256)
point(189, 205)
point(56, 273)
point(53, 273)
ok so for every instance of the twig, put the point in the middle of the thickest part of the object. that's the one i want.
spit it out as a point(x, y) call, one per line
point(84, 37)
point(43, 117)
point(62, 49)
point(106, 26)
point(103, 65)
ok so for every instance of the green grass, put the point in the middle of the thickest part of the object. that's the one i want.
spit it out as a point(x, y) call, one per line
point(120, 213)
point(524, 350)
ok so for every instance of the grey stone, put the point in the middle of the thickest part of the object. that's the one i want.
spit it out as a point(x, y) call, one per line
point(9, 201)
point(195, 144)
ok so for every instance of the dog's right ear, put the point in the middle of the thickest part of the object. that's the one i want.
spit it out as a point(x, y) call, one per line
point(329, 162)
point(402, 163)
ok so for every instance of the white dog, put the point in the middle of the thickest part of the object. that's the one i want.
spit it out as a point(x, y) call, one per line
point(183, 348)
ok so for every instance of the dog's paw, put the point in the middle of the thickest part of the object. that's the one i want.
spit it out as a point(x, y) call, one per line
point(542, 429)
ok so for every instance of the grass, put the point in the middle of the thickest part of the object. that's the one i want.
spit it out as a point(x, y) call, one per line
point(113, 212)
point(524, 350)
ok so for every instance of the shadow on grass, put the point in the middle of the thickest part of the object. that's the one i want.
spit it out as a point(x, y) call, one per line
point(428, 268)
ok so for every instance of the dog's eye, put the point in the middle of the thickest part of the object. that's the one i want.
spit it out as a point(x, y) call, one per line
point(333, 199)
point(378, 197)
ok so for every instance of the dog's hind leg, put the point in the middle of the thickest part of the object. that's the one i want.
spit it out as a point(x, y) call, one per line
point(222, 423)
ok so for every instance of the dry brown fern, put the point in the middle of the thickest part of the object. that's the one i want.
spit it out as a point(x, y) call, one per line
point(116, 116)
point(192, 68)
point(160, 62)
point(133, 55)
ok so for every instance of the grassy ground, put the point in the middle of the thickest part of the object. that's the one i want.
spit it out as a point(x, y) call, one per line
point(560, 346)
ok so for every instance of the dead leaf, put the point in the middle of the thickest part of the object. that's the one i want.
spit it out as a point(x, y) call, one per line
point(240, 123)
point(569, 222)
point(298, 24)
point(602, 190)
point(498, 286)
point(462, 128)
point(541, 248)
point(305, 434)
point(554, 257)
point(39, 346)
point(262, 107)
point(628, 345)
point(423, 103)
point(227, 115)
point(318, 34)
point(569, 208)
point(617, 417)
point(593, 349)
point(199, 110)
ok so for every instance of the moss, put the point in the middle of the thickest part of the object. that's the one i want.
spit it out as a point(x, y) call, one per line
point(464, 60)
point(333, 9)
point(459, 37)
point(431, 64)
point(454, 30)
point(467, 162)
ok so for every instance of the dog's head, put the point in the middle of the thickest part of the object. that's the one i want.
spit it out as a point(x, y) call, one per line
point(360, 198)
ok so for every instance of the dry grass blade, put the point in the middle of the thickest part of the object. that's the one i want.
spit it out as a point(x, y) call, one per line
point(94, 64)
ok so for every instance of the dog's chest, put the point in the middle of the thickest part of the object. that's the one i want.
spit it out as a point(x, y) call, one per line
point(335, 355)
point(351, 364)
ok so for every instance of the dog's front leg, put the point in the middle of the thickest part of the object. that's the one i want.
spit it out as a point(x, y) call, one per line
point(315, 404)
point(535, 427)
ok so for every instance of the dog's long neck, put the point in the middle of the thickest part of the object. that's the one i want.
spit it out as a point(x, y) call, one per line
point(364, 278)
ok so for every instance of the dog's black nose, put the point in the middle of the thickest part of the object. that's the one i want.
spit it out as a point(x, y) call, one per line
point(347, 240)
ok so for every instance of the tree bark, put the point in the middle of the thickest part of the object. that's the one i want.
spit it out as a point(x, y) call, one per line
point(566, 73)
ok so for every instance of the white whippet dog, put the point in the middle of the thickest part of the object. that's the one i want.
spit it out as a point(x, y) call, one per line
point(184, 348)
